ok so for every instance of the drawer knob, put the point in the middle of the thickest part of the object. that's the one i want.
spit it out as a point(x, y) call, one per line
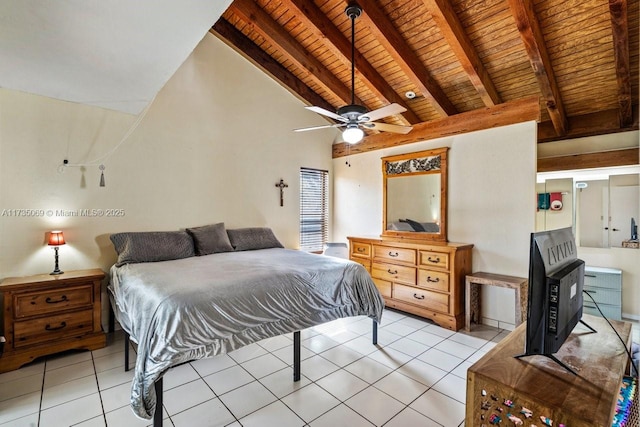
point(416, 296)
point(56, 328)
point(393, 254)
point(392, 272)
point(434, 260)
point(56, 301)
point(436, 280)
point(360, 250)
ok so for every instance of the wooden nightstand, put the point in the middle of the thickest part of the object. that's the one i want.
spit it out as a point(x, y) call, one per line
point(46, 314)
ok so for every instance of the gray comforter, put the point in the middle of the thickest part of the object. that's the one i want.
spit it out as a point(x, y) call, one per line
point(192, 308)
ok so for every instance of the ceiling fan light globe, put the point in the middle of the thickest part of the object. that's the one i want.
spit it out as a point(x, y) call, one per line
point(352, 135)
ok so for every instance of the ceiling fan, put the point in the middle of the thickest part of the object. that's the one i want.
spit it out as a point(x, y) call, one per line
point(355, 117)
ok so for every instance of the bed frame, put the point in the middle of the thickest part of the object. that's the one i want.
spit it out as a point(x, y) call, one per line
point(157, 416)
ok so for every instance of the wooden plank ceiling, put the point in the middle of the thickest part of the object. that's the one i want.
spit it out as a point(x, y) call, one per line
point(572, 65)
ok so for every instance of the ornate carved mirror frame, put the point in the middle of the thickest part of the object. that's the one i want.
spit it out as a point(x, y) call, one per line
point(407, 167)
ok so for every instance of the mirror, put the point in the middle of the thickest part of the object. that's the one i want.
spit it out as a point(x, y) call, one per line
point(599, 203)
point(414, 198)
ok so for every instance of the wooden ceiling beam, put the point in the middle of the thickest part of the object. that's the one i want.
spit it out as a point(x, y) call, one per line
point(620, 28)
point(274, 33)
point(508, 113)
point(604, 159)
point(534, 43)
point(252, 52)
point(321, 26)
point(453, 32)
point(599, 123)
point(390, 38)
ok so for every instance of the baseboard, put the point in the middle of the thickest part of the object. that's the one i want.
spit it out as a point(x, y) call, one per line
point(627, 316)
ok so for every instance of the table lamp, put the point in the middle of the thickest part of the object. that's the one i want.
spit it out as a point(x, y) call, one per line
point(56, 238)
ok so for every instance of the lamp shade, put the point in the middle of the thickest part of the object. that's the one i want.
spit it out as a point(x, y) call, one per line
point(56, 238)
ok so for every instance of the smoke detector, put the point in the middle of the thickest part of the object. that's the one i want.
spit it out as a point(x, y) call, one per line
point(410, 94)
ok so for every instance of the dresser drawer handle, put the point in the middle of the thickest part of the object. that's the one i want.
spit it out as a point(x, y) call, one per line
point(418, 297)
point(435, 261)
point(436, 280)
point(393, 254)
point(51, 301)
point(361, 250)
point(392, 272)
point(56, 328)
point(590, 275)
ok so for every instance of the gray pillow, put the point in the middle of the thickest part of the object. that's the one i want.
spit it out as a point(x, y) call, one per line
point(152, 246)
point(210, 239)
point(247, 239)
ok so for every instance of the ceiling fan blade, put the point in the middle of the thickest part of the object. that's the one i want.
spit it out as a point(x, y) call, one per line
point(327, 113)
point(388, 128)
point(318, 127)
point(389, 110)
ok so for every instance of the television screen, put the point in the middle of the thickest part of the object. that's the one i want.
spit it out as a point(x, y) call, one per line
point(556, 280)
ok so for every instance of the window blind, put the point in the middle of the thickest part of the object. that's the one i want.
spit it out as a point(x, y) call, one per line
point(314, 209)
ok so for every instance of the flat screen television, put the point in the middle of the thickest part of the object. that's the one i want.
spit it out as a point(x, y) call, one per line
point(556, 280)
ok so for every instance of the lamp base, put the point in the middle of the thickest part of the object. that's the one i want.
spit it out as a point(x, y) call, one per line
point(56, 269)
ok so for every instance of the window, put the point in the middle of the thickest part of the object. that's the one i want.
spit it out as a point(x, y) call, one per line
point(314, 209)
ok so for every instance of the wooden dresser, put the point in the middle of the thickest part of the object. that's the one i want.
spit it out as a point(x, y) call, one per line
point(46, 314)
point(422, 278)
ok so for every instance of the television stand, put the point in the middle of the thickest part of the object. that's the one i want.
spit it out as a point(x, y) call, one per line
point(555, 359)
point(543, 387)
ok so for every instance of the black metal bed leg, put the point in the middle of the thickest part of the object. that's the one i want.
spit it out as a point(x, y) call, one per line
point(296, 356)
point(157, 415)
point(375, 332)
point(126, 352)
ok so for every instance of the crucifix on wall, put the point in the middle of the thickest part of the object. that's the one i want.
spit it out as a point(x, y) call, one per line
point(281, 185)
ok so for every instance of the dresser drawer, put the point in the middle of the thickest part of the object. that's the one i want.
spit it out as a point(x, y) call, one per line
point(407, 256)
point(53, 301)
point(613, 312)
point(394, 273)
point(29, 332)
point(602, 280)
point(430, 279)
point(384, 286)
point(360, 249)
point(434, 259)
point(427, 299)
point(603, 295)
point(366, 263)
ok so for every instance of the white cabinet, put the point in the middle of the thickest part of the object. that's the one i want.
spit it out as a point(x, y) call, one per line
point(605, 286)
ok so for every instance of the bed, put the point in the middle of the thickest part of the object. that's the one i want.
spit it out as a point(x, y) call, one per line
point(204, 304)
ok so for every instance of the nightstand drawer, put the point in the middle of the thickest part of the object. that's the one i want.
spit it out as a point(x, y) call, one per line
point(53, 301)
point(51, 328)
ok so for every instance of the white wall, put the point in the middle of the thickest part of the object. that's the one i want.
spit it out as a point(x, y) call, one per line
point(492, 177)
point(214, 143)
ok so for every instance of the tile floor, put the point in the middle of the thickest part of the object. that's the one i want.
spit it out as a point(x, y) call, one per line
point(414, 377)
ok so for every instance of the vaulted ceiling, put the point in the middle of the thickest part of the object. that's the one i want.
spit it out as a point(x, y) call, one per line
point(572, 65)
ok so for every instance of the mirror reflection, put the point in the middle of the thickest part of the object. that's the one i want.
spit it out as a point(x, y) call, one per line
point(602, 205)
point(414, 199)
